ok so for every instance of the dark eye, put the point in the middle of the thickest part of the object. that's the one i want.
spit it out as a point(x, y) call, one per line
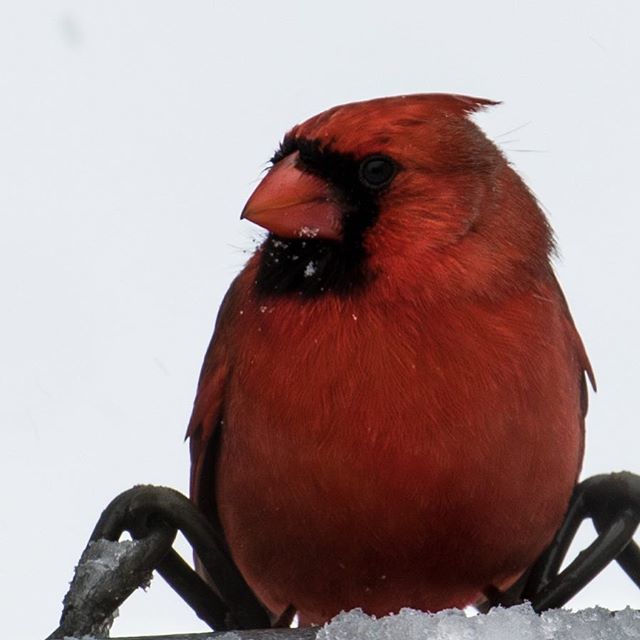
point(377, 171)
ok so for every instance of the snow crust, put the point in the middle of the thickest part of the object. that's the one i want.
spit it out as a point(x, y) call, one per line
point(104, 556)
point(100, 559)
point(515, 623)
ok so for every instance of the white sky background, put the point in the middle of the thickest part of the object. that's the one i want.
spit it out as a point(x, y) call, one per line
point(131, 134)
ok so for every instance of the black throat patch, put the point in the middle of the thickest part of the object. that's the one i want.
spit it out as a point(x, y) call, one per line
point(310, 267)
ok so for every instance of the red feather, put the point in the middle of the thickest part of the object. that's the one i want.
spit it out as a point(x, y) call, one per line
point(412, 440)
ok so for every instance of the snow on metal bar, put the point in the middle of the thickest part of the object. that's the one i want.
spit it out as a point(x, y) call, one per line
point(261, 634)
point(515, 623)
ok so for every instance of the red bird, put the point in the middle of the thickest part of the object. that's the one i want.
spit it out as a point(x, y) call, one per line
point(391, 410)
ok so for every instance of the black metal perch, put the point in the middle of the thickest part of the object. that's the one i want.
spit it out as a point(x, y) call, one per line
point(109, 571)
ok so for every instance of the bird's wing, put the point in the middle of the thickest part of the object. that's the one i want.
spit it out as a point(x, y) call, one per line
point(586, 372)
point(204, 426)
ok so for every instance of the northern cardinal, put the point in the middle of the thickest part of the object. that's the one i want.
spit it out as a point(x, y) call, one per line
point(391, 410)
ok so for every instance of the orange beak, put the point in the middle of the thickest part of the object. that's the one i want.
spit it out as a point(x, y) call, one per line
point(293, 204)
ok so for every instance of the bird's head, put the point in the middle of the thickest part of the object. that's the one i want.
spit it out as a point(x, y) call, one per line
point(401, 192)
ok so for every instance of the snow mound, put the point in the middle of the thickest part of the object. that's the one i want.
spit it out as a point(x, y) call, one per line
point(515, 623)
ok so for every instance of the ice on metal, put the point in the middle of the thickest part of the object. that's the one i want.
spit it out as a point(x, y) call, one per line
point(516, 623)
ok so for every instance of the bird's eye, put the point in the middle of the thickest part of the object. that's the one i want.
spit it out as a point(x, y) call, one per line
point(377, 171)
